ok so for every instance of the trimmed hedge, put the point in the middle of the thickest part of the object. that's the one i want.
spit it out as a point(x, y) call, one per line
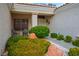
point(68, 38)
point(60, 37)
point(73, 52)
point(76, 42)
point(28, 47)
point(54, 35)
point(14, 39)
point(40, 31)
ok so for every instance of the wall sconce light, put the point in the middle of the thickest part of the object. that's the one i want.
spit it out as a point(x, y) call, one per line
point(48, 21)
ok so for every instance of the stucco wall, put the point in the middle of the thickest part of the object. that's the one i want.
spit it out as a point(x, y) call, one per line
point(66, 20)
point(5, 28)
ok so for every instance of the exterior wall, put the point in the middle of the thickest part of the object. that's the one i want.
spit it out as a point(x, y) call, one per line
point(5, 26)
point(66, 20)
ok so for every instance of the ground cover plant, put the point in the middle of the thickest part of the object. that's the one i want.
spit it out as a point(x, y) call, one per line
point(54, 35)
point(73, 51)
point(14, 39)
point(60, 37)
point(29, 47)
point(68, 38)
point(76, 42)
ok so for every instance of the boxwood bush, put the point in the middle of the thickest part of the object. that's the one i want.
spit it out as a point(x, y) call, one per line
point(68, 38)
point(40, 31)
point(73, 52)
point(14, 39)
point(28, 47)
point(54, 35)
point(76, 42)
point(60, 37)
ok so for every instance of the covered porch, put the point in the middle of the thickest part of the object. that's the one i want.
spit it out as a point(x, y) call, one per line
point(22, 22)
point(25, 16)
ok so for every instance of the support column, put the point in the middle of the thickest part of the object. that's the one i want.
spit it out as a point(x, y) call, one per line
point(34, 20)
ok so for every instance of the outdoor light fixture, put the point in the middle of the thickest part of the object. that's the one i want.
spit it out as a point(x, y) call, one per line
point(48, 21)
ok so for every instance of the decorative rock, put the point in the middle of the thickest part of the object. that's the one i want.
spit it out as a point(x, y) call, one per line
point(32, 36)
point(53, 50)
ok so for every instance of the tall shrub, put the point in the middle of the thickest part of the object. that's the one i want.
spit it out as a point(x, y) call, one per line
point(40, 31)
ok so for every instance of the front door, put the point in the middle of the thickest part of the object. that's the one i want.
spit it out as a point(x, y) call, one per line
point(20, 25)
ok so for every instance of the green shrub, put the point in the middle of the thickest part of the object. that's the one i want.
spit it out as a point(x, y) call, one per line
point(40, 31)
point(68, 38)
point(14, 39)
point(29, 48)
point(73, 52)
point(76, 42)
point(60, 37)
point(53, 35)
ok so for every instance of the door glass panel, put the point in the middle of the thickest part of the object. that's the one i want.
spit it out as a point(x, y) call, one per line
point(20, 24)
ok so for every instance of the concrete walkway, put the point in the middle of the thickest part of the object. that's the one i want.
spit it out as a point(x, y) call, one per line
point(62, 45)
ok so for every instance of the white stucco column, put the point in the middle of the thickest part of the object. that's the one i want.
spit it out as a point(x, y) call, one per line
point(34, 20)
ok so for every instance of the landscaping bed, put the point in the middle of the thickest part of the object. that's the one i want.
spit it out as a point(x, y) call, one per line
point(35, 47)
point(68, 42)
point(36, 44)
